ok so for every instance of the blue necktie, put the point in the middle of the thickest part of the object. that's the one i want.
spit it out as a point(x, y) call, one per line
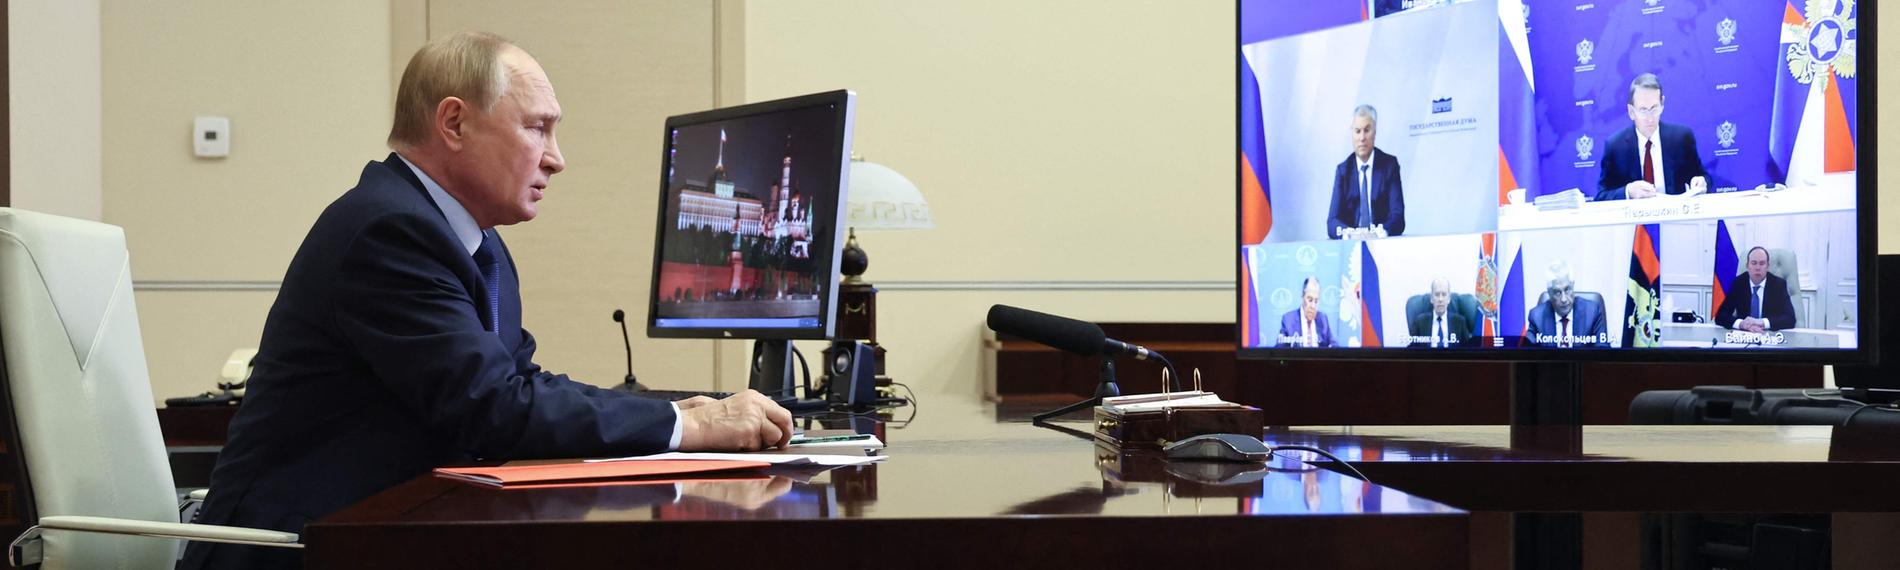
point(1756, 310)
point(488, 259)
point(1365, 195)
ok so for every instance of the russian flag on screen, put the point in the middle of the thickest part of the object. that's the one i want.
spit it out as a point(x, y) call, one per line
point(1517, 118)
point(1371, 323)
point(1725, 266)
point(1813, 129)
point(1511, 303)
point(1256, 204)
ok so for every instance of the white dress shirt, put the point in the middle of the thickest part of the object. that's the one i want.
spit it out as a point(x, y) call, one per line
point(1655, 156)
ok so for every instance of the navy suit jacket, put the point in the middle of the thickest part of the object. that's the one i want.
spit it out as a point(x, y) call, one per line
point(1290, 328)
point(1388, 195)
point(1586, 324)
point(376, 366)
point(1623, 161)
point(1775, 305)
point(1421, 327)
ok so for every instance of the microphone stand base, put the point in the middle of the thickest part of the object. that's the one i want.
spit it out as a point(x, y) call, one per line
point(1106, 388)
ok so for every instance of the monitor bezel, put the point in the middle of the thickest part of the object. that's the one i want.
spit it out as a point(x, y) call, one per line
point(846, 102)
point(1866, 297)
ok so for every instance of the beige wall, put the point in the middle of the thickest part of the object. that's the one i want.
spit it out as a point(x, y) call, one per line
point(306, 86)
point(1056, 142)
point(53, 106)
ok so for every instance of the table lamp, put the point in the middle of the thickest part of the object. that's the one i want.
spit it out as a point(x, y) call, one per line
point(879, 199)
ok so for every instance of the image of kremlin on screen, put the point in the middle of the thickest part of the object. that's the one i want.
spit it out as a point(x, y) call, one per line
point(740, 243)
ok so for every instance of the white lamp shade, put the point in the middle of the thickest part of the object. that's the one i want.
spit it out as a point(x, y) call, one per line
point(881, 199)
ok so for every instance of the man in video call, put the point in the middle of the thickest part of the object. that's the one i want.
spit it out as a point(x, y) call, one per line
point(1757, 300)
point(1306, 326)
point(1440, 327)
point(1564, 320)
point(1650, 157)
point(1368, 198)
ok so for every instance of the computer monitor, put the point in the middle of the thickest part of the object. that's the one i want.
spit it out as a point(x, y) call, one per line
point(1502, 180)
point(747, 243)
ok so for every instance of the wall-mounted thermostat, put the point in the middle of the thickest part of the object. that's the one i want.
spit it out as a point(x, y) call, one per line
point(211, 137)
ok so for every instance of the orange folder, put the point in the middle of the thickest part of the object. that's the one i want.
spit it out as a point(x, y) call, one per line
point(515, 475)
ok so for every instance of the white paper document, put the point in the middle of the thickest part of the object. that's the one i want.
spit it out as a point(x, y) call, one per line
point(773, 458)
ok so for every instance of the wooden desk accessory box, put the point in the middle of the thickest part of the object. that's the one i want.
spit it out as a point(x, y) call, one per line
point(1151, 421)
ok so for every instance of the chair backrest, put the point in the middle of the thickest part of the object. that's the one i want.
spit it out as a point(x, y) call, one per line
point(1782, 263)
point(81, 397)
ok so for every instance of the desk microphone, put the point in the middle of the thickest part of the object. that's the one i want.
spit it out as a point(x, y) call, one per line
point(1069, 335)
point(631, 384)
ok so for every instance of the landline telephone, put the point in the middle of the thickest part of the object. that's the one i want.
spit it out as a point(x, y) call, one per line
point(231, 379)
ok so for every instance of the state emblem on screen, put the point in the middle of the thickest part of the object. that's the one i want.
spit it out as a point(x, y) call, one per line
point(1725, 134)
point(1725, 31)
point(1306, 255)
point(1584, 147)
point(1584, 51)
point(1827, 42)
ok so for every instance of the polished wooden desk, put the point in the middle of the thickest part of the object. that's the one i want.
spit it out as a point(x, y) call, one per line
point(1626, 496)
point(961, 489)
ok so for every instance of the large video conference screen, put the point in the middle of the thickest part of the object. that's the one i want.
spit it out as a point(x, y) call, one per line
point(1609, 175)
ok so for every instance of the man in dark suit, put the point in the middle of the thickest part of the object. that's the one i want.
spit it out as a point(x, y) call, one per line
point(1564, 320)
point(1650, 157)
point(1757, 300)
point(1440, 327)
point(395, 344)
point(1368, 196)
point(1306, 327)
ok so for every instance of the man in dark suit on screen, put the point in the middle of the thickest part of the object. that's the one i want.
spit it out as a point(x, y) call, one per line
point(1565, 320)
point(1440, 327)
point(1306, 326)
point(1650, 157)
point(1757, 300)
point(1368, 196)
point(395, 344)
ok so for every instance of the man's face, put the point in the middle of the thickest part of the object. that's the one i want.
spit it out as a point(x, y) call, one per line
point(1563, 296)
point(1646, 110)
point(509, 153)
point(1441, 297)
point(1309, 300)
point(1363, 133)
point(1757, 265)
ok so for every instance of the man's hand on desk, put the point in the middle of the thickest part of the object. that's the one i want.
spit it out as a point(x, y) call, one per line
point(1639, 189)
point(745, 421)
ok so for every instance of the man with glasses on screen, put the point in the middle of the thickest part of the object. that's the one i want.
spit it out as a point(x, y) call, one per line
point(1565, 319)
point(1306, 326)
point(1650, 157)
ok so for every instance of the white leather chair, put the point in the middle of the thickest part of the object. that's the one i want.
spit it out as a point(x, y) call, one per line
point(74, 370)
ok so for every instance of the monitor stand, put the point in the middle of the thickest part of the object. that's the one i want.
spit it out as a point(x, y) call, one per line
point(773, 375)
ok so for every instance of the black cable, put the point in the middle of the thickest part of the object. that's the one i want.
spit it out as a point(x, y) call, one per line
point(1355, 471)
point(914, 404)
point(1175, 374)
point(802, 365)
point(1863, 407)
